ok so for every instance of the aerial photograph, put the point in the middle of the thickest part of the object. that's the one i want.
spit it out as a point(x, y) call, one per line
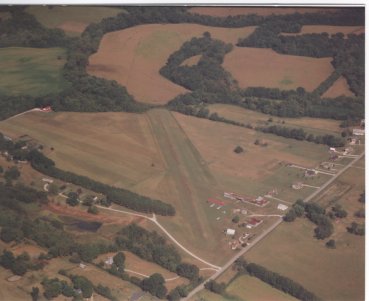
point(182, 152)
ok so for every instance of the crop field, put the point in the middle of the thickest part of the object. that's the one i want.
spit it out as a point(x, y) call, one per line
point(267, 68)
point(346, 30)
point(134, 56)
point(340, 87)
point(309, 124)
point(72, 19)
point(261, 11)
point(31, 71)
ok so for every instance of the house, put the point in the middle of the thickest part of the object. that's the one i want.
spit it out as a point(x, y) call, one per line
point(358, 132)
point(253, 222)
point(230, 232)
point(82, 266)
point(310, 173)
point(333, 149)
point(282, 207)
point(297, 185)
point(46, 109)
point(243, 211)
point(213, 201)
point(109, 261)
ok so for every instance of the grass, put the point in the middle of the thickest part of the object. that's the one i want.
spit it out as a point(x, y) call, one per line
point(72, 19)
point(31, 71)
point(311, 125)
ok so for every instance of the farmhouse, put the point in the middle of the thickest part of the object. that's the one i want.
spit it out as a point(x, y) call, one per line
point(253, 222)
point(358, 132)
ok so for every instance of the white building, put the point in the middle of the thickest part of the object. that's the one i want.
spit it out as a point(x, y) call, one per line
point(358, 132)
point(230, 232)
point(282, 207)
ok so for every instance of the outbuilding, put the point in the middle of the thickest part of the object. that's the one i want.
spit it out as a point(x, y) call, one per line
point(230, 232)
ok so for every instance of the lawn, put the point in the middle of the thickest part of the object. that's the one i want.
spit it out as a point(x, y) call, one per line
point(31, 71)
point(257, 67)
point(72, 19)
point(134, 56)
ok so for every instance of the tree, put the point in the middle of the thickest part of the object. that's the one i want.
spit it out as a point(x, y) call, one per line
point(119, 259)
point(236, 219)
point(299, 210)
point(72, 199)
point(9, 234)
point(93, 210)
point(189, 271)
point(238, 149)
point(331, 244)
point(35, 293)
point(12, 173)
point(7, 260)
point(19, 267)
point(53, 288)
point(290, 216)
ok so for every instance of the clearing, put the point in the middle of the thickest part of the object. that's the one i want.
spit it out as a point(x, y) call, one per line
point(72, 19)
point(309, 124)
point(267, 68)
point(134, 56)
point(31, 71)
point(340, 87)
point(224, 11)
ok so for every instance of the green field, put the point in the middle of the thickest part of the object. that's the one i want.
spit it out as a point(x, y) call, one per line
point(73, 19)
point(31, 71)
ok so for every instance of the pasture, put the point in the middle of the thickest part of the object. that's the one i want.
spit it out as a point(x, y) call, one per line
point(309, 124)
point(134, 56)
point(72, 19)
point(339, 87)
point(31, 71)
point(224, 11)
point(267, 68)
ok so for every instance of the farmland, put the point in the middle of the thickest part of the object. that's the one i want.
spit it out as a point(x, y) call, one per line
point(31, 71)
point(340, 87)
point(284, 71)
point(261, 11)
point(134, 56)
point(72, 19)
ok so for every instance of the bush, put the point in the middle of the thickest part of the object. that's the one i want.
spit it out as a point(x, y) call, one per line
point(331, 244)
point(238, 149)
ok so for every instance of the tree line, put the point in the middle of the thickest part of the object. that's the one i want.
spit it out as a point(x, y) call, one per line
point(116, 195)
point(153, 247)
point(276, 280)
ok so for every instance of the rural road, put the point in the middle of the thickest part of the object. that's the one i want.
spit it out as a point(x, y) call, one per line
point(154, 220)
point(270, 229)
point(233, 259)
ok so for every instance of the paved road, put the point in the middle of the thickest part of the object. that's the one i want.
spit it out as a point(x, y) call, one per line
point(270, 229)
point(234, 258)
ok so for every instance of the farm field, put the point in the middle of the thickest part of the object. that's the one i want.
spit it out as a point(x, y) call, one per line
point(346, 30)
point(134, 56)
point(261, 11)
point(72, 19)
point(309, 124)
point(340, 87)
point(31, 71)
point(283, 71)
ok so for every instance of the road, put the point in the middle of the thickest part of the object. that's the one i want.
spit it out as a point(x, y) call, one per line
point(234, 258)
point(270, 229)
point(154, 220)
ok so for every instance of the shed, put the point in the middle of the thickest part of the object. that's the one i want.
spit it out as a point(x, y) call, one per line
point(282, 207)
point(230, 232)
